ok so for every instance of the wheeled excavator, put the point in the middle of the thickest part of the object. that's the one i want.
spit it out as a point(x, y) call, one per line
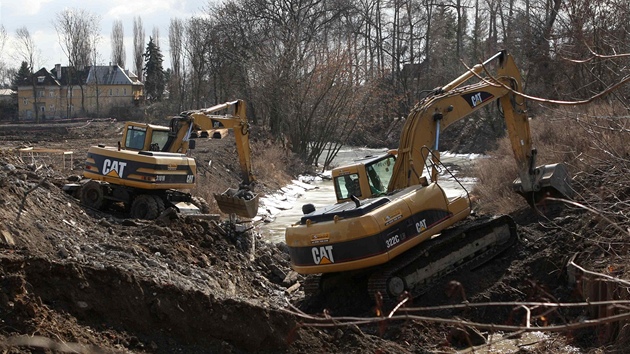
point(394, 224)
point(150, 169)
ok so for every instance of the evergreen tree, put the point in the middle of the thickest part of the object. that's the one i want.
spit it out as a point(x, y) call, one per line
point(154, 81)
point(21, 77)
point(9, 110)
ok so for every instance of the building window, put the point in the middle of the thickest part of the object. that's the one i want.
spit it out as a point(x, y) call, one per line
point(25, 101)
point(51, 108)
point(43, 109)
point(40, 79)
point(110, 92)
point(41, 93)
point(117, 92)
point(125, 91)
point(51, 93)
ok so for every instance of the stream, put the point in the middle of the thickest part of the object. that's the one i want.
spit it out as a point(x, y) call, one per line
point(285, 207)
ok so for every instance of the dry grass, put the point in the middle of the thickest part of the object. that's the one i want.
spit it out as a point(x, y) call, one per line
point(273, 168)
point(584, 139)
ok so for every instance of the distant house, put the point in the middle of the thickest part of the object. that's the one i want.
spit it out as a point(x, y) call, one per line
point(39, 96)
point(111, 86)
point(66, 92)
point(5, 95)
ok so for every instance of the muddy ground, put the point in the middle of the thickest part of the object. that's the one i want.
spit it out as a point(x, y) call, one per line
point(78, 280)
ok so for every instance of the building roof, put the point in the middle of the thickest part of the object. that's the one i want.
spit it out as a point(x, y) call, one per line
point(108, 75)
point(6, 92)
point(98, 74)
point(69, 76)
point(43, 77)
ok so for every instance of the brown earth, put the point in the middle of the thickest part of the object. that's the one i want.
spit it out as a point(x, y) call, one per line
point(75, 279)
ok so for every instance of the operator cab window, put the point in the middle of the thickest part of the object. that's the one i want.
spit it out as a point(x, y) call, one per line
point(347, 185)
point(158, 140)
point(135, 138)
point(379, 175)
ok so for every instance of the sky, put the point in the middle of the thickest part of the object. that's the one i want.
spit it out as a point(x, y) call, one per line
point(38, 17)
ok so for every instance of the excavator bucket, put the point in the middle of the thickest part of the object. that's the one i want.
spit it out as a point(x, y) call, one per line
point(549, 181)
point(241, 202)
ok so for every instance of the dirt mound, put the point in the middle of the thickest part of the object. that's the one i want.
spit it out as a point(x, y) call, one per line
point(76, 278)
point(184, 276)
point(177, 284)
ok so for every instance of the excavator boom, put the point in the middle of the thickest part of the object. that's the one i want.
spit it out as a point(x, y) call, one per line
point(240, 201)
point(454, 102)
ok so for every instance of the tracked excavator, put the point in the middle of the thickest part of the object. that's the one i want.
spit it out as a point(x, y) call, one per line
point(150, 169)
point(394, 224)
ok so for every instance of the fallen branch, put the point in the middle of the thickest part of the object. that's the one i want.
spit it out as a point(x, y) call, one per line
point(17, 219)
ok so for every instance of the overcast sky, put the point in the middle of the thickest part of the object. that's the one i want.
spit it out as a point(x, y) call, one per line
point(38, 16)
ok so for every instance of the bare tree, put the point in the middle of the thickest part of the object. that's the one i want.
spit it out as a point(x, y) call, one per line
point(77, 30)
point(175, 40)
point(25, 47)
point(3, 69)
point(197, 48)
point(118, 47)
point(3, 38)
point(138, 45)
point(27, 51)
point(156, 36)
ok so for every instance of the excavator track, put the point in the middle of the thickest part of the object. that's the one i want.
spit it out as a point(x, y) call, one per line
point(464, 247)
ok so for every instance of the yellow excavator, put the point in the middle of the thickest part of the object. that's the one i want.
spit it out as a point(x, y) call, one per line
point(150, 169)
point(394, 223)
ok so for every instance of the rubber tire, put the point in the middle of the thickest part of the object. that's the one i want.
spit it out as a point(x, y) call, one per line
point(200, 203)
point(160, 204)
point(92, 195)
point(145, 207)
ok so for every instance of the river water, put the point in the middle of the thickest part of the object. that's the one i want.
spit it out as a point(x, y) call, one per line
point(286, 207)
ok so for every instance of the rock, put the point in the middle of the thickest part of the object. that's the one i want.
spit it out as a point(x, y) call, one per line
point(293, 288)
point(278, 272)
point(129, 222)
point(6, 238)
point(103, 222)
point(466, 336)
point(290, 278)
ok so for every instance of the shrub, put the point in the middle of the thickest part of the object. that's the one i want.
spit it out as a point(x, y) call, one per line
point(578, 137)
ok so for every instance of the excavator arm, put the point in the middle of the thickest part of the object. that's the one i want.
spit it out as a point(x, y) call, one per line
point(205, 120)
point(453, 102)
point(241, 201)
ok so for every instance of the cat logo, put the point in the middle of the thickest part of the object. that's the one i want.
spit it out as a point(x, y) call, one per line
point(421, 225)
point(113, 168)
point(323, 255)
point(475, 99)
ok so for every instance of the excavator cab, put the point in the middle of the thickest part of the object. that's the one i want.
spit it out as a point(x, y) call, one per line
point(367, 178)
point(145, 137)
